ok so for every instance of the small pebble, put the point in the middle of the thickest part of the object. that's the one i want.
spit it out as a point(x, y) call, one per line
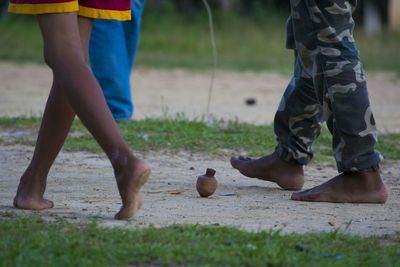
point(250, 101)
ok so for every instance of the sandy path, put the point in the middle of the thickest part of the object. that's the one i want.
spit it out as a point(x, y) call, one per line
point(24, 89)
point(83, 188)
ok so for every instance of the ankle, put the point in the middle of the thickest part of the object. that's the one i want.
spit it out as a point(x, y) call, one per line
point(35, 172)
point(371, 179)
point(368, 177)
point(121, 159)
point(289, 167)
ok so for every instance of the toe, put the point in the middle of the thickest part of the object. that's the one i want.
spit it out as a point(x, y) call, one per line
point(121, 215)
point(244, 158)
point(234, 162)
point(295, 196)
point(311, 196)
point(48, 204)
point(117, 216)
point(305, 195)
point(298, 195)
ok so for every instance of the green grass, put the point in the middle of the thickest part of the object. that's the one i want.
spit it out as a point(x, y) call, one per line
point(173, 41)
point(243, 43)
point(20, 40)
point(32, 242)
point(179, 134)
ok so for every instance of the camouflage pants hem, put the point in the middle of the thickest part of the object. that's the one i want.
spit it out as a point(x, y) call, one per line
point(290, 155)
point(284, 152)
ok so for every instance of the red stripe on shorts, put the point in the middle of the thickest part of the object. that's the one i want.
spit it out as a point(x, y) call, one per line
point(119, 5)
point(38, 1)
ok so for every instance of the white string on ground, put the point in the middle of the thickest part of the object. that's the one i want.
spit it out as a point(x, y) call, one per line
point(215, 57)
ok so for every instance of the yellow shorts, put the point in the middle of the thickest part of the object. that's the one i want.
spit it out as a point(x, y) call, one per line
point(96, 9)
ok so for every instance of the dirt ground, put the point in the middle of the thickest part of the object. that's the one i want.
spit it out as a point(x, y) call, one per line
point(24, 89)
point(82, 186)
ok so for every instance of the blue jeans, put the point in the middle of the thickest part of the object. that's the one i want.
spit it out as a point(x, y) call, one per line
point(112, 52)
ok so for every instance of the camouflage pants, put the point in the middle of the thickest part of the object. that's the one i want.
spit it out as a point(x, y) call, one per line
point(329, 85)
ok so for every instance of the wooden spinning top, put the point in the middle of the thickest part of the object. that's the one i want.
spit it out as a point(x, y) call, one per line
point(207, 184)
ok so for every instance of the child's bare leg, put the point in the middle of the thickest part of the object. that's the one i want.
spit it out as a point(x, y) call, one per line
point(271, 168)
point(131, 173)
point(65, 55)
point(350, 187)
point(56, 122)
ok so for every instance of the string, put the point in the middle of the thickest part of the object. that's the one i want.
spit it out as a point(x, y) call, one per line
point(215, 56)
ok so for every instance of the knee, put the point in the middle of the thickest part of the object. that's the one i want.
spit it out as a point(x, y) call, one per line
point(59, 58)
point(48, 57)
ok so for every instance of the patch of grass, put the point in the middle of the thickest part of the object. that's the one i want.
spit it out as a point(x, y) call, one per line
point(243, 43)
point(17, 123)
point(21, 40)
point(32, 242)
point(372, 55)
point(195, 136)
point(170, 40)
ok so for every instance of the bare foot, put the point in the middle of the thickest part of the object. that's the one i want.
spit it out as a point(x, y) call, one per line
point(30, 193)
point(348, 187)
point(32, 203)
point(129, 182)
point(271, 168)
